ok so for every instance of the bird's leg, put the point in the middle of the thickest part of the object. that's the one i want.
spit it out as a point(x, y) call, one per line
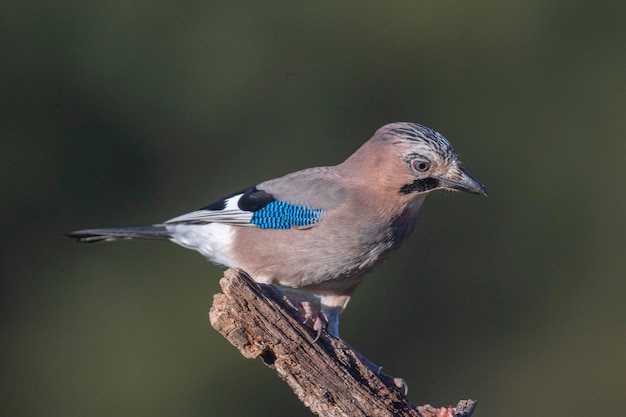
point(315, 317)
point(311, 315)
point(397, 382)
point(332, 306)
point(328, 319)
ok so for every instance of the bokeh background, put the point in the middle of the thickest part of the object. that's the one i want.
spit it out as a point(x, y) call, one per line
point(132, 112)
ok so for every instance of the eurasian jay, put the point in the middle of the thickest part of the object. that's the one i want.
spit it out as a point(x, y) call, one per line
point(320, 230)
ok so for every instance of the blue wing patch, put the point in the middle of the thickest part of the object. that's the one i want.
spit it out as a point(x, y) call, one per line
point(281, 215)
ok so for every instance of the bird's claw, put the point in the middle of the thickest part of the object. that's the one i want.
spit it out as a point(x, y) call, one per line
point(317, 319)
point(401, 384)
point(311, 315)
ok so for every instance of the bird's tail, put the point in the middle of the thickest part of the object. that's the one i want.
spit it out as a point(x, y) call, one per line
point(155, 232)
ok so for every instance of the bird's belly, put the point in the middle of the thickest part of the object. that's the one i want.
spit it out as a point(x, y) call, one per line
point(308, 260)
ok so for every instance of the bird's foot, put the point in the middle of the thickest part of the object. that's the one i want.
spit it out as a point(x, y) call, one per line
point(317, 319)
point(389, 380)
point(311, 315)
point(399, 383)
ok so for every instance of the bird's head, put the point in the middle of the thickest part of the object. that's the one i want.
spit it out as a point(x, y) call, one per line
point(417, 160)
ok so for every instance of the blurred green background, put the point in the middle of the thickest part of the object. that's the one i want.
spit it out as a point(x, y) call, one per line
point(132, 112)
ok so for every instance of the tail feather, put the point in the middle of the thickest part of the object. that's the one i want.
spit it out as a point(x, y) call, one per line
point(156, 232)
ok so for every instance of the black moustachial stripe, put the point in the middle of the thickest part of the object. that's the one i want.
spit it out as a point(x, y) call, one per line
point(419, 186)
point(254, 199)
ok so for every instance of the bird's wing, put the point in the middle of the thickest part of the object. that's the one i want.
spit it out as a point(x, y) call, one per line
point(297, 200)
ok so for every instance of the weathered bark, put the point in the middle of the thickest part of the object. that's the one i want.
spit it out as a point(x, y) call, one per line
point(327, 375)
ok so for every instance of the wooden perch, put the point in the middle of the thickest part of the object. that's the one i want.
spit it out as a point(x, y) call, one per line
point(327, 375)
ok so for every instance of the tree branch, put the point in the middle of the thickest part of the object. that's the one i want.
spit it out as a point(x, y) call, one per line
point(327, 375)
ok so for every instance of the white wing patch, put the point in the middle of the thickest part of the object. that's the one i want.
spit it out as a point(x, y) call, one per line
point(231, 214)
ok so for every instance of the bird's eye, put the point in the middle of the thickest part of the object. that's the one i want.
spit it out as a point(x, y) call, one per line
point(420, 165)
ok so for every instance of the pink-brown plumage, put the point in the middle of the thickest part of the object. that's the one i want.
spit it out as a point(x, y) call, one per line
point(324, 228)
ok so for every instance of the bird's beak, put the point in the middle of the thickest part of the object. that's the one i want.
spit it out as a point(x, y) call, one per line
point(466, 183)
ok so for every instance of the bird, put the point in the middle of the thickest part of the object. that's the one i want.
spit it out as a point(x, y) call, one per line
point(320, 230)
